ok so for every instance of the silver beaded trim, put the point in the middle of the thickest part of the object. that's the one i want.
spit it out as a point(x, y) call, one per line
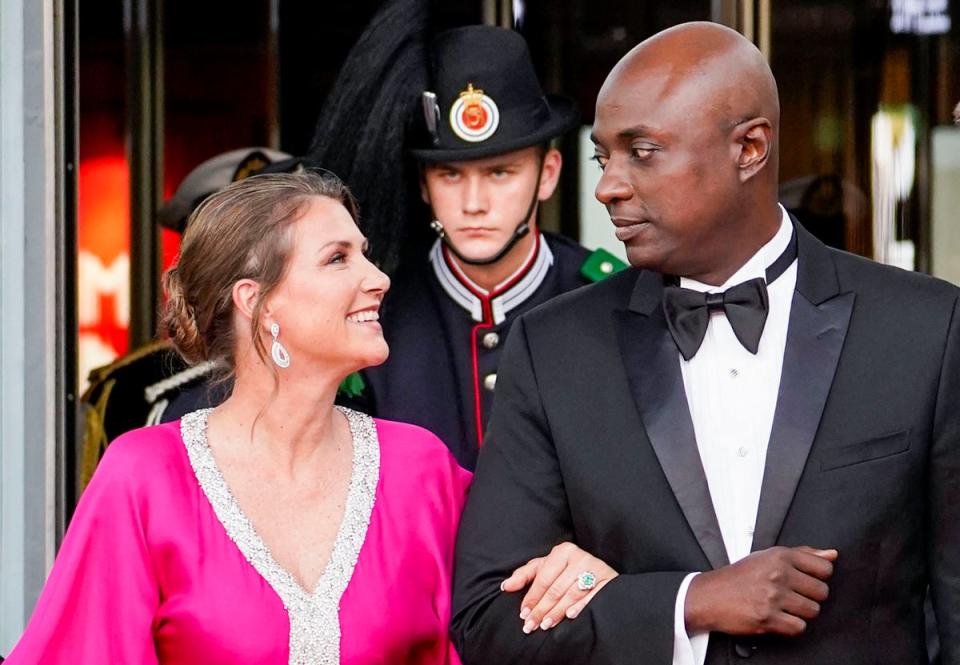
point(314, 617)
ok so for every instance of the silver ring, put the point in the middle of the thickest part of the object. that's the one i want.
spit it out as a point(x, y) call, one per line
point(586, 580)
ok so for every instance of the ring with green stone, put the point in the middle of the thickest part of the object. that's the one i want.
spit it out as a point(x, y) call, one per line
point(586, 580)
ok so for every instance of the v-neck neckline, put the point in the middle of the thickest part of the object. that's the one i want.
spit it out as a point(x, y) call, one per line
point(314, 615)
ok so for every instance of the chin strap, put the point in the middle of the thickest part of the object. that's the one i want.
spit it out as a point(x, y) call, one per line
point(522, 229)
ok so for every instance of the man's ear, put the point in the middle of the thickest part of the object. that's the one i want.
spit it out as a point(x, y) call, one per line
point(754, 145)
point(550, 174)
point(424, 192)
point(246, 293)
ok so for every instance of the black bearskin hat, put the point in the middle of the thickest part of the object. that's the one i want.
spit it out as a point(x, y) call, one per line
point(367, 124)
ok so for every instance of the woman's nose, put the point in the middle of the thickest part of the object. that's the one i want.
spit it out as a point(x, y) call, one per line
point(376, 281)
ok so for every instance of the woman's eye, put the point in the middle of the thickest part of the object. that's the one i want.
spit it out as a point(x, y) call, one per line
point(339, 257)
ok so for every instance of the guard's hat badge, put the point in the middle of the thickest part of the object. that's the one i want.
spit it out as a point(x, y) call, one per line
point(474, 116)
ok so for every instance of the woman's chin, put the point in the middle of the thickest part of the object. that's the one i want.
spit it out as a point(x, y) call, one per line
point(375, 355)
point(352, 358)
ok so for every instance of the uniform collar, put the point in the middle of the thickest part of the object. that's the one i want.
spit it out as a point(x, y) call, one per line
point(494, 305)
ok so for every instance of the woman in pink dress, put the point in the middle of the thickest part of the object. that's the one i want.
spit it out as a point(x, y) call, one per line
point(276, 528)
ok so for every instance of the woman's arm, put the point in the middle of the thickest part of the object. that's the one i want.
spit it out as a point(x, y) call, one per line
point(100, 600)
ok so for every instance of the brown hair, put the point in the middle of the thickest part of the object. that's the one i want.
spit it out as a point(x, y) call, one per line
point(240, 232)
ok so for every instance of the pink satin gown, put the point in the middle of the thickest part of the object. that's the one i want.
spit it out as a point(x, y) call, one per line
point(160, 565)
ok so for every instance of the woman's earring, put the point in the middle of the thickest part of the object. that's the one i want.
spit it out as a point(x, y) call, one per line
point(280, 356)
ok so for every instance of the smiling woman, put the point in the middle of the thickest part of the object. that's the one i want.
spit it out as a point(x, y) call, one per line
point(289, 274)
point(259, 531)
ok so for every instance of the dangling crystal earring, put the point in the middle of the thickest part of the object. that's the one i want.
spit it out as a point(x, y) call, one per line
point(280, 356)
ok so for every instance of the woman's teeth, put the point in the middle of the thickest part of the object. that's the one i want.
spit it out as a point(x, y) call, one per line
point(363, 317)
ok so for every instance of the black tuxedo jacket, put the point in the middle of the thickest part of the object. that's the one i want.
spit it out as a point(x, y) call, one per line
point(591, 441)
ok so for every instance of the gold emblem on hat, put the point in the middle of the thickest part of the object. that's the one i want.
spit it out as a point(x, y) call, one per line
point(250, 165)
point(474, 116)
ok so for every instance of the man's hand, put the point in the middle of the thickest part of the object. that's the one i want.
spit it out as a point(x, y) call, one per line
point(777, 590)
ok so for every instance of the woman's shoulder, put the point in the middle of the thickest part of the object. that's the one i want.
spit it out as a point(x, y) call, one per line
point(413, 442)
point(417, 450)
point(407, 435)
point(138, 466)
point(418, 468)
point(144, 451)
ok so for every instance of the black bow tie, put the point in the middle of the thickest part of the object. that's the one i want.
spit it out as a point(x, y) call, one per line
point(745, 306)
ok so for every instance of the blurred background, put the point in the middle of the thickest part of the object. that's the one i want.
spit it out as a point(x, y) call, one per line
point(105, 106)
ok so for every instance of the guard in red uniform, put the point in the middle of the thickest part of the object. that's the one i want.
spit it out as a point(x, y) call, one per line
point(485, 165)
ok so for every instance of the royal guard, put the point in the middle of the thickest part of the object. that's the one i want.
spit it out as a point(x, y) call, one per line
point(485, 164)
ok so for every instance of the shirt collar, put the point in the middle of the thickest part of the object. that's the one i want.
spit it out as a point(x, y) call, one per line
point(756, 265)
point(494, 305)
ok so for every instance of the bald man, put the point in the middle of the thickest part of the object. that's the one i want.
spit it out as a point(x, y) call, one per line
point(746, 446)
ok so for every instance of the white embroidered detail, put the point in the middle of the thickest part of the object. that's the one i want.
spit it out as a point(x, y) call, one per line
point(314, 617)
point(454, 283)
point(152, 392)
point(453, 286)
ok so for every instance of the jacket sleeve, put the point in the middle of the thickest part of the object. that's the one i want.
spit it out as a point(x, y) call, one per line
point(944, 488)
point(517, 510)
point(101, 597)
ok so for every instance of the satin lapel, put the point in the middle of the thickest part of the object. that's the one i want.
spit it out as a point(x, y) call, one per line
point(819, 318)
point(653, 369)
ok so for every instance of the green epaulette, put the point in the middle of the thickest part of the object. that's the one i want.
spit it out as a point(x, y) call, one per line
point(352, 386)
point(600, 265)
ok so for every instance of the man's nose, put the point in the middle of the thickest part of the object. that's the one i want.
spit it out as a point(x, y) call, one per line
point(474, 196)
point(613, 186)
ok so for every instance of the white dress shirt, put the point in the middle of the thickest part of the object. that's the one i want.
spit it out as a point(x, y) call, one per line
point(732, 395)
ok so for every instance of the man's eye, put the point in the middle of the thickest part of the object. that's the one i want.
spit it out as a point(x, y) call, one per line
point(642, 152)
point(499, 173)
point(600, 160)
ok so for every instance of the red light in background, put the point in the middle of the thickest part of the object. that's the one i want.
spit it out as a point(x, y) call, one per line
point(103, 280)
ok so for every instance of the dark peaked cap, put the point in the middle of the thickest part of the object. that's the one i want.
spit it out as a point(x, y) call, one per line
point(211, 176)
point(496, 61)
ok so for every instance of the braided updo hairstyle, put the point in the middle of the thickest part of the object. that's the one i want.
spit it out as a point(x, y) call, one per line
point(240, 232)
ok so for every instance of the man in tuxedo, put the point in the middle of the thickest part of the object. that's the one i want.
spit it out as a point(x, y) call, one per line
point(760, 434)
